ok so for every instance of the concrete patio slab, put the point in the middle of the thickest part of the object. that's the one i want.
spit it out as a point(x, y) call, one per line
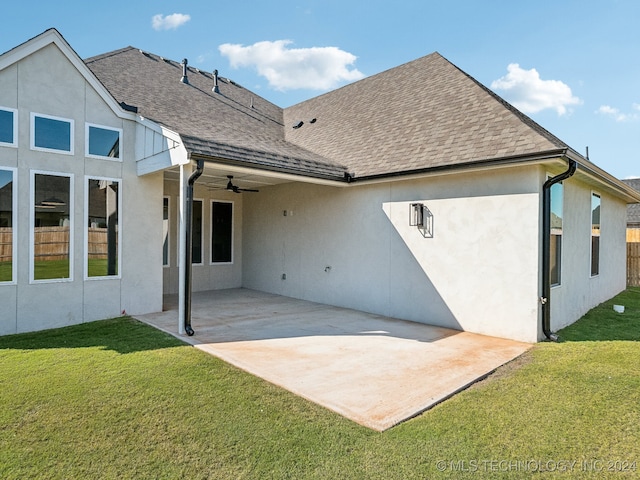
point(374, 370)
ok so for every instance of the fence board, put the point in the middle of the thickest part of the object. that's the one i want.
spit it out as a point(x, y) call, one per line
point(6, 244)
point(633, 264)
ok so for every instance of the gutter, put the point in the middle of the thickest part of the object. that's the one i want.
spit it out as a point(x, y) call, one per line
point(189, 247)
point(545, 300)
point(467, 166)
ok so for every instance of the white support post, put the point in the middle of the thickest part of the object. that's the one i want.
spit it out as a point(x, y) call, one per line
point(182, 234)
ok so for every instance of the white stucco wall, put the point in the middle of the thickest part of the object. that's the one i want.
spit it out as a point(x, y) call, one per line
point(354, 247)
point(47, 83)
point(578, 291)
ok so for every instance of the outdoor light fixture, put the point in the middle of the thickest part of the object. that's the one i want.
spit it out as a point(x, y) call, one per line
point(416, 215)
point(422, 218)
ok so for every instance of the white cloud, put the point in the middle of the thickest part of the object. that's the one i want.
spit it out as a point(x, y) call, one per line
point(316, 68)
point(169, 22)
point(617, 115)
point(530, 94)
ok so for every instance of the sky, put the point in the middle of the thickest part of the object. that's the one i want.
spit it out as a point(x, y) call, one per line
point(571, 65)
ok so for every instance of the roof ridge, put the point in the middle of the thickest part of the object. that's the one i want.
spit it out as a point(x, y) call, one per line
point(109, 54)
point(519, 114)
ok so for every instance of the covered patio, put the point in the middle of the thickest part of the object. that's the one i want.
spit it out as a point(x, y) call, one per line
point(374, 370)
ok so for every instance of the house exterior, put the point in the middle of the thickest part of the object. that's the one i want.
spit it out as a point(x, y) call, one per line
point(416, 193)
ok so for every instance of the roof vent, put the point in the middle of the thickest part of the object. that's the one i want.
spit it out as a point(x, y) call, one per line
point(184, 78)
point(298, 125)
point(215, 88)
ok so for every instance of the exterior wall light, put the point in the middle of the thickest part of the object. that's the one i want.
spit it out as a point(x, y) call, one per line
point(416, 215)
point(422, 218)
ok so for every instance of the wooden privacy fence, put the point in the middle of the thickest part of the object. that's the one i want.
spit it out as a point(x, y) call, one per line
point(51, 243)
point(633, 264)
point(98, 244)
point(6, 244)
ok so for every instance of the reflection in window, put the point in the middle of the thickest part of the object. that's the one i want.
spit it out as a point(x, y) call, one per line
point(103, 142)
point(196, 229)
point(221, 232)
point(51, 241)
point(52, 133)
point(6, 225)
point(8, 126)
point(165, 231)
point(556, 233)
point(102, 228)
point(595, 234)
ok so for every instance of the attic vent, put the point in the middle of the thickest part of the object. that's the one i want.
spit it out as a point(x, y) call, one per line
point(184, 78)
point(215, 88)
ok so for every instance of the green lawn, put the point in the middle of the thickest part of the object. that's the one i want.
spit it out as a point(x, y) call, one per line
point(118, 399)
point(5, 271)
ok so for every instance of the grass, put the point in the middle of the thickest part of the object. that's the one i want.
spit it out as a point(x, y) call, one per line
point(5, 271)
point(118, 399)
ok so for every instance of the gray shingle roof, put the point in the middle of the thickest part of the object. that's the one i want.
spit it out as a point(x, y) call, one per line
point(235, 124)
point(633, 210)
point(423, 114)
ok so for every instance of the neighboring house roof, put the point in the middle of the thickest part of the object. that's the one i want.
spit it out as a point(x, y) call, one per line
point(424, 114)
point(633, 211)
point(233, 125)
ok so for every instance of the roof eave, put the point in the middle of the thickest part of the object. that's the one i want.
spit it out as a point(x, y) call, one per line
point(274, 171)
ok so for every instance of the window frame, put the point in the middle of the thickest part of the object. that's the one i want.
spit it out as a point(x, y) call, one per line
point(32, 136)
point(32, 211)
point(559, 256)
point(86, 228)
point(14, 226)
point(168, 235)
point(14, 143)
point(592, 235)
point(232, 239)
point(88, 127)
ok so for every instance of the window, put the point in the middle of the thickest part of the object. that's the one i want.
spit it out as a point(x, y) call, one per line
point(196, 229)
point(165, 231)
point(555, 253)
point(103, 142)
point(103, 233)
point(51, 134)
point(51, 224)
point(595, 234)
point(7, 222)
point(221, 232)
point(8, 127)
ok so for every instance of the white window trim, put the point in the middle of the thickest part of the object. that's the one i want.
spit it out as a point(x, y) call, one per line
point(559, 284)
point(14, 226)
point(103, 127)
point(14, 143)
point(86, 228)
point(233, 231)
point(32, 136)
point(32, 211)
point(168, 264)
point(201, 233)
point(593, 192)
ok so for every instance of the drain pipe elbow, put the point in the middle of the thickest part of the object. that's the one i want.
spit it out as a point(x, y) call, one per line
point(545, 300)
point(188, 241)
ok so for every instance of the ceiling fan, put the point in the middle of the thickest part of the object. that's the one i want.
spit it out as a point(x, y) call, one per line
point(235, 189)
